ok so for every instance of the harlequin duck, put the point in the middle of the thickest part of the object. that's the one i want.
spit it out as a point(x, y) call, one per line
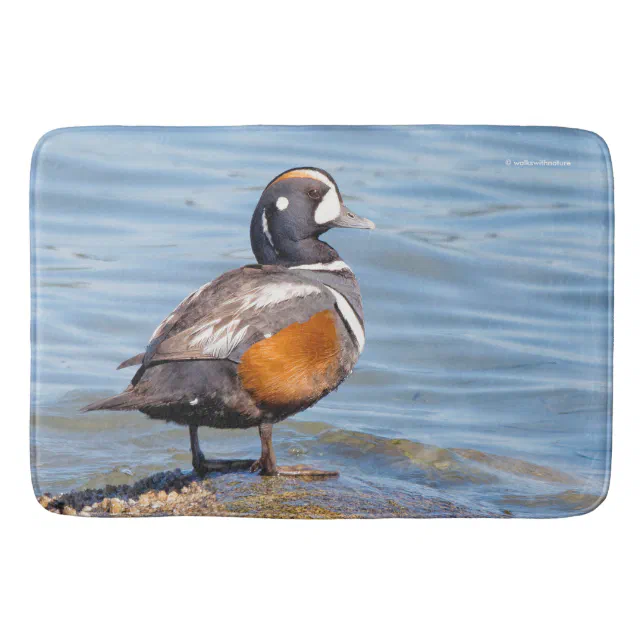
point(262, 342)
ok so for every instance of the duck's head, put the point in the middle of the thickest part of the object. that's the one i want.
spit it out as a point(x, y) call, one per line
point(294, 210)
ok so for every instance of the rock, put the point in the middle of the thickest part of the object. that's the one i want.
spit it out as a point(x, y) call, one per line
point(569, 500)
point(116, 506)
point(516, 466)
point(244, 494)
point(69, 511)
point(44, 501)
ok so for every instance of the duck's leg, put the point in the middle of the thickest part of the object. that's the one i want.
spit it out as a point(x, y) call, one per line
point(197, 455)
point(204, 465)
point(267, 463)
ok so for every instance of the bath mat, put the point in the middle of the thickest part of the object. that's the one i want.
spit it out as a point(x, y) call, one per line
point(321, 322)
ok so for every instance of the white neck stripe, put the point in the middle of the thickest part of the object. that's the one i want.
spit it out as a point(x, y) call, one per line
point(331, 266)
point(265, 229)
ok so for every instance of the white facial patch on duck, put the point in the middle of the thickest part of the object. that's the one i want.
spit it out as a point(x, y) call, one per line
point(329, 208)
point(282, 203)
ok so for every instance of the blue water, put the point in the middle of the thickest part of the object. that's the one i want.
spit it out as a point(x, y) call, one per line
point(487, 291)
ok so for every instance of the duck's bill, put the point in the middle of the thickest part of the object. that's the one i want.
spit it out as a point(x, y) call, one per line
point(348, 219)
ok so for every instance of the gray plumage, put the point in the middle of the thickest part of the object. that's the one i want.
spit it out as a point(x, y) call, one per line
point(189, 372)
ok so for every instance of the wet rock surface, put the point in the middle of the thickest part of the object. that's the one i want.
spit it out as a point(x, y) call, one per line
point(381, 477)
point(244, 495)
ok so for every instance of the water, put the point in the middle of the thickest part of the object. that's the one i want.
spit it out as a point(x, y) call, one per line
point(487, 291)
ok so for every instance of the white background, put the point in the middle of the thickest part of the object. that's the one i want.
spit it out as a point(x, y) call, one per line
point(181, 63)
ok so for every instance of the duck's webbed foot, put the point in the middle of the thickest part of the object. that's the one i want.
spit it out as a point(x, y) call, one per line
point(264, 467)
point(203, 465)
point(222, 465)
point(266, 464)
point(305, 471)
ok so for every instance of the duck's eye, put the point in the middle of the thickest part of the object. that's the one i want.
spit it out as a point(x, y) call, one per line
point(314, 194)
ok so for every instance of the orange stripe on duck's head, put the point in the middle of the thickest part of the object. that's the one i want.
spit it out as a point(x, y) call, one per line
point(307, 173)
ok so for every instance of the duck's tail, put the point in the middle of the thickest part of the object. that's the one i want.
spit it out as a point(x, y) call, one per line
point(120, 402)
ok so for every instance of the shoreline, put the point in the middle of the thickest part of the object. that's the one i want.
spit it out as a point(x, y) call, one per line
point(410, 479)
point(177, 493)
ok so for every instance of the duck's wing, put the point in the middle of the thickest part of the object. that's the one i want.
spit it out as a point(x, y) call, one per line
point(224, 318)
